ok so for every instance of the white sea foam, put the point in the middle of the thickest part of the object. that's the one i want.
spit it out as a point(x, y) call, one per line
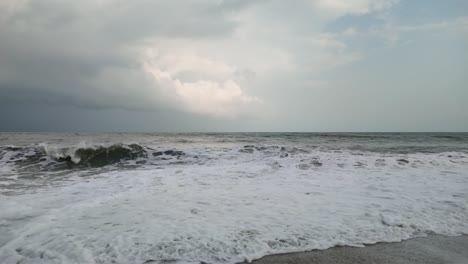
point(236, 206)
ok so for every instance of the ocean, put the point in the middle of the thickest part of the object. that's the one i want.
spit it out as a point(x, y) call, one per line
point(223, 197)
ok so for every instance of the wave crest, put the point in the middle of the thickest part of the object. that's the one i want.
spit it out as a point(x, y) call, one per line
point(97, 156)
point(45, 157)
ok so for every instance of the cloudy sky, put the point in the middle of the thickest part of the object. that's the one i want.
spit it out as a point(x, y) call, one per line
point(234, 65)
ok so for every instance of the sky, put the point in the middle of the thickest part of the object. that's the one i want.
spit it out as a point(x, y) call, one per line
point(234, 65)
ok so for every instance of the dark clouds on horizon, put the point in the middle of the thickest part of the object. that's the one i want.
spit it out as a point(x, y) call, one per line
point(233, 65)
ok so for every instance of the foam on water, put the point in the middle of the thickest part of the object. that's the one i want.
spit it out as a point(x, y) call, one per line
point(223, 204)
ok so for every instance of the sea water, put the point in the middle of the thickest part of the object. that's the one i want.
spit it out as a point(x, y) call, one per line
point(223, 198)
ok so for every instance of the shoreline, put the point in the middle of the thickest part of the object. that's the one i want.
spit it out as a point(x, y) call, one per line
point(424, 250)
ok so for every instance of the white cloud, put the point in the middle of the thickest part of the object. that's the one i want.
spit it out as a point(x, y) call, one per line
point(221, 96)
point(182, 62)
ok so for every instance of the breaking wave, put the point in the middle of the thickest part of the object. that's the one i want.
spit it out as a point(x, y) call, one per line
point(96, 156)
point(91, 156)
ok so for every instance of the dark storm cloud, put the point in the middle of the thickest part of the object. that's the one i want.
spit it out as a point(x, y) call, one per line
point(80, 52)
point(307, 65)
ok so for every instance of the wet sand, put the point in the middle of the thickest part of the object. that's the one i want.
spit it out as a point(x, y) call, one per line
point(427, 250)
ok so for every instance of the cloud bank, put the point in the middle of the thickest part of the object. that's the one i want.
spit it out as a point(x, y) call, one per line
point(282, 64)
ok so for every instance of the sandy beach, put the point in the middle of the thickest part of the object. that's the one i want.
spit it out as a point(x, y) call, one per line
point(433, 249)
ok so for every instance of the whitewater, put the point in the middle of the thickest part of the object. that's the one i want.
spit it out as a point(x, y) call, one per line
point(223, 198)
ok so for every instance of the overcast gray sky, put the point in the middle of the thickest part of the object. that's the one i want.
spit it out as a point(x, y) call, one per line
point(234, 65)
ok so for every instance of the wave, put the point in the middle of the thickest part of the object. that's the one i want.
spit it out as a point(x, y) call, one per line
point(76, 156)
point(97, 156)
point(44, 157)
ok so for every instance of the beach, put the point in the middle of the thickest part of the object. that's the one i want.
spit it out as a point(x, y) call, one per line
point(432, 249)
